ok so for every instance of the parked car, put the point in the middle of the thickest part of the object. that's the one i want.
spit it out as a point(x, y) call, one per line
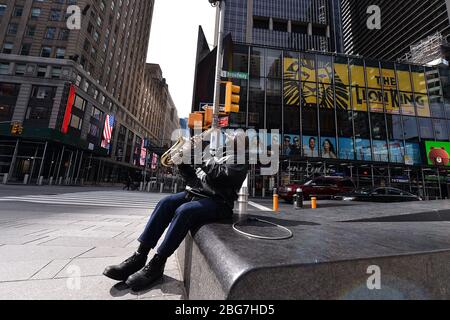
point(383, 194)
point(321, 187)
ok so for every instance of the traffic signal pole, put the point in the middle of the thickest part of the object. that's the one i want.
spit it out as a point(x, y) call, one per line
point(219, 65)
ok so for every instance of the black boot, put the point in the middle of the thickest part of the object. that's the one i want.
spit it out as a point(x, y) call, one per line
point(122, 271)
point(148, 276)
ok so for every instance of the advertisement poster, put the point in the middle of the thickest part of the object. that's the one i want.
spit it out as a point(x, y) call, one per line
point(310, 147)
point(438, 153)
point(397, 151)
point(381, 93)
point(412, 154)
point(363, 151)
point(346, 149)
point(328, 148)
point(291, 145)
point(380, 151)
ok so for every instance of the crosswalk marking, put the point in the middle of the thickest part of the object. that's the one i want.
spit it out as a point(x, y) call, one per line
point(117, 199)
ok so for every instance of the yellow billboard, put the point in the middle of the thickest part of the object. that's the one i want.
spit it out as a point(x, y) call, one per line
point(316, 87)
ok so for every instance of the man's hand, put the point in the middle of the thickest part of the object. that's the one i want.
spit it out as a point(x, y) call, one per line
point(201, 174)
point(182, 154)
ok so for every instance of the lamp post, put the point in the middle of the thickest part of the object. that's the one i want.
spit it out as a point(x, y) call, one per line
point(219, 63)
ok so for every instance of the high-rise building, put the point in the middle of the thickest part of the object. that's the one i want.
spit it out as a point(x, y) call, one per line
point(72, 75)
point(403, 24)
point(291, 24)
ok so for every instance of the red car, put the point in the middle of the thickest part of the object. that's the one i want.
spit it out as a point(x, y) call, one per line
point(321, 187)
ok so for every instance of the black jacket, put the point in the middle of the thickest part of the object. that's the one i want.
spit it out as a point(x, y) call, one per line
point(222, 181)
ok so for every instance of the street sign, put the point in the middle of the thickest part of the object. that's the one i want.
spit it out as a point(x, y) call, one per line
point(235, 75)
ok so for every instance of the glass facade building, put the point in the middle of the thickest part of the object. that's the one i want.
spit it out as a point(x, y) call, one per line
point(403, 23)
point(295, 24)
point(368, 119)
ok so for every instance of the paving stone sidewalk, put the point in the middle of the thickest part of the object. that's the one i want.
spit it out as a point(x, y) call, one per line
point(59, 252)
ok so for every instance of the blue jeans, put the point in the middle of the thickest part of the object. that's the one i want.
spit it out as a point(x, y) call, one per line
point(180, 215)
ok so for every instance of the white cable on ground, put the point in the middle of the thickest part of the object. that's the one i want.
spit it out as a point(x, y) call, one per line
point(262, 237)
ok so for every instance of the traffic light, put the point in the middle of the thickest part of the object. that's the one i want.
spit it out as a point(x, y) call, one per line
point(16, 128)
point(232, 97)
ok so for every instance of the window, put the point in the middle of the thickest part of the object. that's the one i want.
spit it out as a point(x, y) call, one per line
point(4, 68)
point(55, 15)
point(18, 11)
point(12, 29)
point(25, 50)
point(31, 30)
point(440, 129)
point(20, 69)
point(96, 113)
point(41, 71)
point(94, 130)
point(2, 9)
point(46, 52)
point(60, 53)
point(426, 128)
point(56, 72)
point(64, 34)
point(41, 92)
point(76, 122)
point(79, 103)
point(35, 13)
point(50, 33)
point(7, 47)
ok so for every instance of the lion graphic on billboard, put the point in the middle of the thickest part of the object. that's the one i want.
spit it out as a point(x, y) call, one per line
point(309, 96)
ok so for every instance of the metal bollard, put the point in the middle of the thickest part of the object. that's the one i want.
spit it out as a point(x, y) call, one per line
point(141, 186)
point(298, 199)
point(148, 186)
point(175, 188)
point(40, 180)
point(5, 178)
point(60, 181)
point(313, 203)
point(50, 182)
point(275, 200)
point(25, 179)
point(161, 187)
point(243, 198)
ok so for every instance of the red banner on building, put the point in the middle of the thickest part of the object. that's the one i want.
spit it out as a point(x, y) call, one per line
point(70, 101)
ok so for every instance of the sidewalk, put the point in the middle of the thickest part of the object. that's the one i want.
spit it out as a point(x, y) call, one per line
point(59, 252)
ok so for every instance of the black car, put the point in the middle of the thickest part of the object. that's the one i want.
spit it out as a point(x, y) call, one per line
point(383, 194)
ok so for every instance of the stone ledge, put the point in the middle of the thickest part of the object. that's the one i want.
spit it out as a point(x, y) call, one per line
point(328, 257)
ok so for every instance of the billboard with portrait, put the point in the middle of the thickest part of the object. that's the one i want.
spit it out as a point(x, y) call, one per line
point(310, 147)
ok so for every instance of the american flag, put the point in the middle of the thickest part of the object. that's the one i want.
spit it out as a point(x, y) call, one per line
point(107, 131)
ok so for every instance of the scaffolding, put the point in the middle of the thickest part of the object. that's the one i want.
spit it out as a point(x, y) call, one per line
point(426, 51)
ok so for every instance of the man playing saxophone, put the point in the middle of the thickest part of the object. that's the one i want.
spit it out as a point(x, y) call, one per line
point(210, 195)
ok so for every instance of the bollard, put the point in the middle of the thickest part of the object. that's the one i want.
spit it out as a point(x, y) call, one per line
point(298, 199)
point(263, 192)
point(5, 178)
point(60, 181)
point(141, 186)
point(313, 203)
point(148, 187)
point(25, 179)
point(161, 187)
point(50, 182)
point(275, 200)
point(40, 180)
point(175, 188)
point(243, 198)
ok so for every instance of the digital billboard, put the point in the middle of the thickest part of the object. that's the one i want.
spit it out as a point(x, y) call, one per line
point(438, 153)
